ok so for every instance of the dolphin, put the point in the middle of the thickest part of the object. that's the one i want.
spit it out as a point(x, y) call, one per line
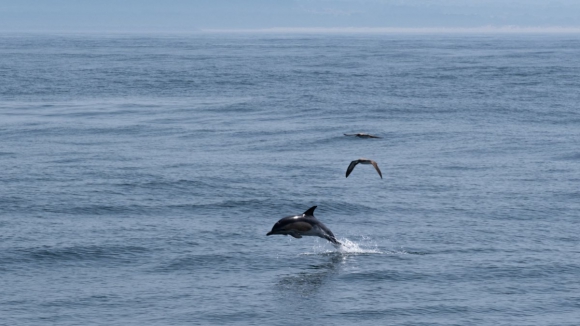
point(303, 225)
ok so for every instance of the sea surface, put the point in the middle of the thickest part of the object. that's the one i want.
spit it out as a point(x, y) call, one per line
point(139, 175)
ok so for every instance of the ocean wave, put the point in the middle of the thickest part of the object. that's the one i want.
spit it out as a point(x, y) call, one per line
point(72, 254)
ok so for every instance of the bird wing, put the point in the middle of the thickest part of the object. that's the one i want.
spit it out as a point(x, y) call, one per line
point(377, 168)
point(351, 167)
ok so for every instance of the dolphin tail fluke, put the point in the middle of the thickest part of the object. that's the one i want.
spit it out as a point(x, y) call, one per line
point(333, 240)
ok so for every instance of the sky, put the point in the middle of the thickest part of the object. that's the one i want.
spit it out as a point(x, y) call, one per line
point(286, 15)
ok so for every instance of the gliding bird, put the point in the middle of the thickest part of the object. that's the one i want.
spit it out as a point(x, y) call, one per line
point(362, 161)
point(363, 135)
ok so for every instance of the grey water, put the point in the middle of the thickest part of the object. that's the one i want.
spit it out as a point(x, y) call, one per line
point(139, 175)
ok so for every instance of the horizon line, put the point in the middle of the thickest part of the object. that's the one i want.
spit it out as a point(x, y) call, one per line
point(400, 30)
point(510, 29)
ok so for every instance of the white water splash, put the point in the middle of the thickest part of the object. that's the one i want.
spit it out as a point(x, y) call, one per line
point(346, 248)
point(351, 247)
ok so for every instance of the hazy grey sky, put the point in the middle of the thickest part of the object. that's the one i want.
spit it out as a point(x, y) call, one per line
point(192, 15)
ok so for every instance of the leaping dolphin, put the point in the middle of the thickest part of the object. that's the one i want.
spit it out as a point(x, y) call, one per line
point(303, 225)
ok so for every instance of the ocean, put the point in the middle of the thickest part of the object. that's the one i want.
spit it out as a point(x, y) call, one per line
point(141, 173)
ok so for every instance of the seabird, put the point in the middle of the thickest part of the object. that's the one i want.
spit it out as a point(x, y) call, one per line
point(362, 161)
point(362, 135)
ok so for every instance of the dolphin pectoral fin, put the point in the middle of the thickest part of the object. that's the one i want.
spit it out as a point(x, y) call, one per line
point(296, 235)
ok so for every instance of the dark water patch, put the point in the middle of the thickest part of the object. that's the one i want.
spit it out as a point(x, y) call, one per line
point(424, 188)
point(199, 262)
point(470, 250)
point(313, 141)
point(411, 252)
point(167, 185)
point(385, 276)
point(421, 311)
point(224, 318)
point(99, 209)
point(569, 157)
point(90, 112)
point(244, 206)
point(465, 168)
point(520, 271)
point(73, 131)
point(69, 160)
point(98, 301)
point(343, 208)
point(73, 255)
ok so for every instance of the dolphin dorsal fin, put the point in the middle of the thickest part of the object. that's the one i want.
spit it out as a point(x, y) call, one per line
point(310, 211)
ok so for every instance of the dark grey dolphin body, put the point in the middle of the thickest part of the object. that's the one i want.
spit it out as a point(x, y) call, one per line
point(303, 225)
